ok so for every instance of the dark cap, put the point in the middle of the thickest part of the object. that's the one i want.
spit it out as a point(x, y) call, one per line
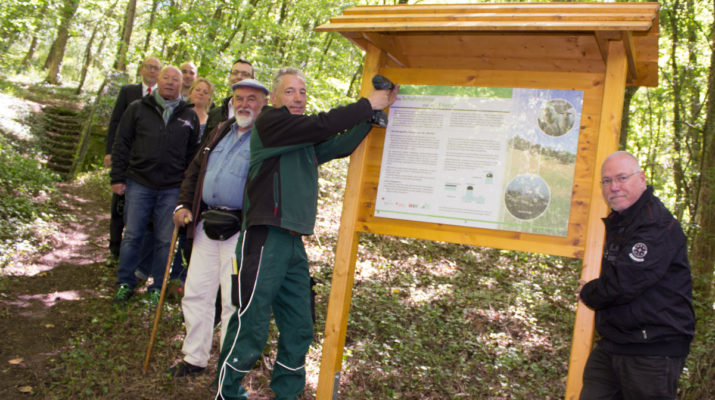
point(252, 83)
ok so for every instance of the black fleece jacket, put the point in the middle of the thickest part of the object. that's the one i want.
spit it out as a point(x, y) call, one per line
point(643, 296)
point(150, 152)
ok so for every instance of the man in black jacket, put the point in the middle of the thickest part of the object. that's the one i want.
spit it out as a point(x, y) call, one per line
point(156, 139)
point(149, 72)
point(240, 70)
point(643, 296)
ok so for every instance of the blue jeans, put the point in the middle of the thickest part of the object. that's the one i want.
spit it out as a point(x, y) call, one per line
point(141, 203)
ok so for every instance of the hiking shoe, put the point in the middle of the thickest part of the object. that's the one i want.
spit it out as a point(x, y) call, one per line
point(184, 369)
point(123, 294)
point(154, 296)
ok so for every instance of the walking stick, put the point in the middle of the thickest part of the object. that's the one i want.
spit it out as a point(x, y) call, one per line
point(161, 298)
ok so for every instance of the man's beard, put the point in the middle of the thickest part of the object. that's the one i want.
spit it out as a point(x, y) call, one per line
point(244, 121)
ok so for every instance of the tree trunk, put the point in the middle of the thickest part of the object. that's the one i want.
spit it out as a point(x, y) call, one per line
point(150, 28)
point(87, 60)
point(357, 73)
point(58, 46)
point(679, 178)
point(49, 55)
point(121, 61)
point(108, 13)
point(278, 39)
point(250, 9)
point(38, 20)
point(97, 61)
point(695, 107)
point(626, 121)
point(27, 60)
point(702, 256)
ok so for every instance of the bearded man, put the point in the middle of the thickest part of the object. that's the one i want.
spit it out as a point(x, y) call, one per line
point(211, 199)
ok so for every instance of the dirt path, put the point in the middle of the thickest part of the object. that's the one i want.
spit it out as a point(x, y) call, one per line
point(61, 338)
point(40, 306)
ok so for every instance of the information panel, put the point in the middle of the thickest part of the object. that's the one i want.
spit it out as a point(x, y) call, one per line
point(496, 158)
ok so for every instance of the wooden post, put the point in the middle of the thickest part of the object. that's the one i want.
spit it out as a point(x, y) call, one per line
point(336, 322)
point(608, 133)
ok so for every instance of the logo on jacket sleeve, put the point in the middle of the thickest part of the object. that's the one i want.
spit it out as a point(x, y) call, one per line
point(185, 122)
point(638, 252)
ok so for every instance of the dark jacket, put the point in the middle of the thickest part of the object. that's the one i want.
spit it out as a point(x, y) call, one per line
point(643, 296)
point(127, 94)
point(215, 117)
point(150, 152)
point(286, 149)
point(192, 185)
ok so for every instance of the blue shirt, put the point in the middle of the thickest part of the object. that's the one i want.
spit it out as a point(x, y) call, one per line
point(227, 170)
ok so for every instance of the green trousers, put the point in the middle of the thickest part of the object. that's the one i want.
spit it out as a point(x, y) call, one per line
point(272, 276)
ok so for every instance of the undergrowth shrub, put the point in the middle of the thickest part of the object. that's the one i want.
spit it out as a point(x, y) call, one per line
point(25, 199)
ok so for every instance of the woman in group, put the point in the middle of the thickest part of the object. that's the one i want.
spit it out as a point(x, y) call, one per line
point(200, 95)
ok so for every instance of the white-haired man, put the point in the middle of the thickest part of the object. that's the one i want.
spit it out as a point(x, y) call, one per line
point(211, 199)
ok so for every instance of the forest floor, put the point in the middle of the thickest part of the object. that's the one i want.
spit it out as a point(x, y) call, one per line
point(52, 303)
point(428, 320)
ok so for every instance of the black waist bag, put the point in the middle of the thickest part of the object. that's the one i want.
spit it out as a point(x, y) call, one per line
point(221, 224)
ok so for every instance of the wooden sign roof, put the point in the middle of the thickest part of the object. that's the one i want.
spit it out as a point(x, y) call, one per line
point(570, 37)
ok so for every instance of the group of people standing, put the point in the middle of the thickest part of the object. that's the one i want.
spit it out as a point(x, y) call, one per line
point(242, 179)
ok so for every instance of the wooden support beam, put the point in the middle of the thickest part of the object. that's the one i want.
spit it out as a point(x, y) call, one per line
point(386, 44)
point(336, 322)
point(630, 54)
point(602, 42)
point(609, 132)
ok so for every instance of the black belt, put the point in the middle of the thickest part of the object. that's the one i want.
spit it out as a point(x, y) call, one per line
point(294, 233)
point(224, 208)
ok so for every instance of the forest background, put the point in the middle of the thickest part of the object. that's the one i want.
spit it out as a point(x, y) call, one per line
point(78, 52)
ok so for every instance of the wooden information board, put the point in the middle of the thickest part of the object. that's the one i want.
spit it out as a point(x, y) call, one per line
point(594, 48)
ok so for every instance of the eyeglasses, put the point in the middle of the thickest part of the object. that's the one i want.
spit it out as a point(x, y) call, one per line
point(244, 74)
point(617, 178)
point(152, 67)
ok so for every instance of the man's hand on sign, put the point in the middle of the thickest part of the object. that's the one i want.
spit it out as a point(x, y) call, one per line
point(381, 99)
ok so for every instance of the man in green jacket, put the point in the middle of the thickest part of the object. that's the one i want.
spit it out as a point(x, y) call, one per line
point(280, 203)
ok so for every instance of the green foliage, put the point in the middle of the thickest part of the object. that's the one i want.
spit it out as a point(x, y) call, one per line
point(465, 322)
point(699, 374)
point(97, 359)
point(666, 122)
point(25, 201)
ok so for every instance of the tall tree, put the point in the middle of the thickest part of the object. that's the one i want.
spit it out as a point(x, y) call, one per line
point(120, 63)
point(150, 28)
point(37, 27)
point(98, 25)
point(625, 122)
point(57, 54)
point(703, 252)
